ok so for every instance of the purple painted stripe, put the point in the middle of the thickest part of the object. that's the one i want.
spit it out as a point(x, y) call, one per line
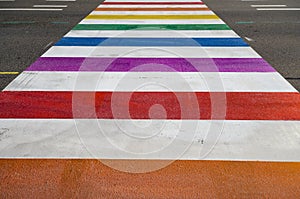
point(151, 64)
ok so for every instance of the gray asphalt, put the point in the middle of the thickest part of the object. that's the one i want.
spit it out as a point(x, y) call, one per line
point(25, 35)
point(275, 34)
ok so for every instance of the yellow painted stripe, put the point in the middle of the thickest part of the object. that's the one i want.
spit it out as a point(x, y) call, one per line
point(9, 73)
point(152, 17)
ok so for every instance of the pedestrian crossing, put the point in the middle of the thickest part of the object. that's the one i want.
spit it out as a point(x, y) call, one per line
point(151, 65)
point(154, 80)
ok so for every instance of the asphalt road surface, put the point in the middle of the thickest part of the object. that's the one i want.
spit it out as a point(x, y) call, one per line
point(25, 35)
point(274, 34)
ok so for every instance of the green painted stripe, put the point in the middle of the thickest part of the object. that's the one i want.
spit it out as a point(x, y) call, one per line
point(244, 22)
point(151, 27)
point(17, 22)
point(59, 22)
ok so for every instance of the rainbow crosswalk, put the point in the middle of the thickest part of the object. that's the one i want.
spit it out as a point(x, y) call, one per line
point(139, 84)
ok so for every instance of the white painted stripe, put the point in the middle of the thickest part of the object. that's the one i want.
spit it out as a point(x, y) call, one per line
point(152, 6)
point(254, 0)
point(119, 51)
point(238, 140)
point(151, 81)
point(153, 1)
point(279, 9)
point(256, 6)
point(248, 39)
point(30, 9)
point(50, 6)
point(154, 33)
point(63, 0)
point(150, 21)
point(152, 13)
point(6, 0)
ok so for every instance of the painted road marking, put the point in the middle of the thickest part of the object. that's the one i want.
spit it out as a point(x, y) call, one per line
point(279, 9)
point(132, 64)
point(97, 105)
point(9, 73)
point(114, 81)
point(17, 22)
point(248, 39)
point(30, 22)
point(152, 12)
point(152, 3)
point(103, 41)
point(49, 44)
point(59, 22)
point(256, 6)
point(139, 22)
point(110, 81)
point(147, 27)
point(244, 22)
point(246, 139)
point(151, 52)
point(155, 1)
point(151, 9)
point(62, 0)
point(153, 33)
point(50, 6)
point(254, 0)
point(147, 6)
point(31, 9)
point(185, 178)
point(151, 17)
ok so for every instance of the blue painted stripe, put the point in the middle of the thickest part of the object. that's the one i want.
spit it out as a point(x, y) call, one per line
point(101, 41)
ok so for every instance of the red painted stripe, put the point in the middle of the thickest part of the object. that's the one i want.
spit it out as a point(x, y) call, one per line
point(52, 178)
point(151, 3)
point(181, 105)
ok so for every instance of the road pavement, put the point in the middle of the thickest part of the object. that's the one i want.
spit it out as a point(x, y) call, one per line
point(26, 35)
point(274, 34)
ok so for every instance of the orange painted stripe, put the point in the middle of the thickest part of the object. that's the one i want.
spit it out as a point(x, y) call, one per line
point(152, 9)
point(52, 178)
